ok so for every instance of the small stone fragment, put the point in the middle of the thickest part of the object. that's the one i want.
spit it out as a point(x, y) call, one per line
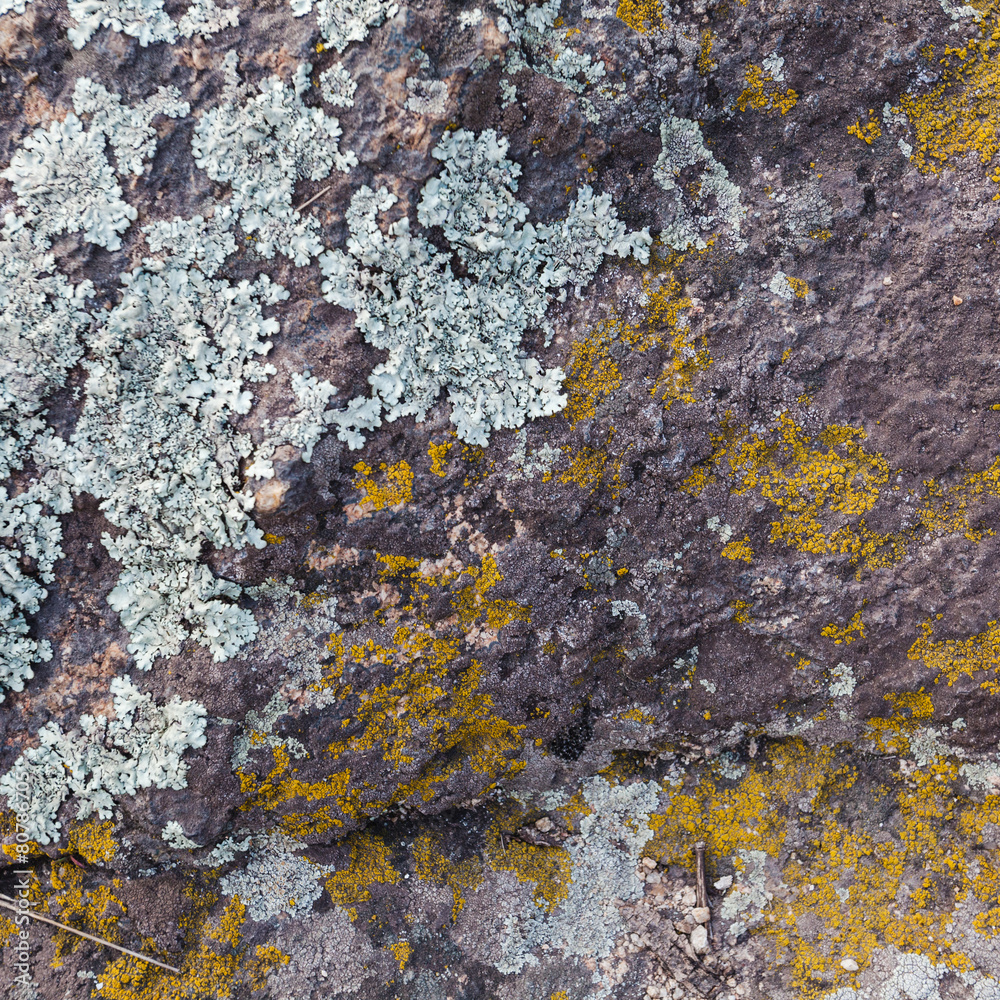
point(699, 939)
point(648, 863)
point(701, 914)
point(544, 824)
point(849, 965)
point(957, 300)
point(887, 280)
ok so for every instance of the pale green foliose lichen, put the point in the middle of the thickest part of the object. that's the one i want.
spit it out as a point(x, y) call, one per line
point(141, 747)
point(166, 373)
point(42, 318)
point(683, 147)
point(463, 335)
point(261, 145)
point(338, 86)
point(344, 21)
point(275, 880)
point(145, 20)
point(62, 176)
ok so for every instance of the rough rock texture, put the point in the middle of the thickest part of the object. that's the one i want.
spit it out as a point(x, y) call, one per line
point(468, 708)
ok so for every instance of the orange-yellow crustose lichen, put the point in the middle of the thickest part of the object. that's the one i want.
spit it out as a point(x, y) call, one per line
point(93, 841)
point(739, 549)
point(439, 457)
point(825, 482)
point(845, 887)
point(812, 479)
point(591, 373)
point(892, 735)
point(397, 489)
point(961, 113)
point(798, 286)
point(868, 132)
point(401, 951)
point(854, 629)
point(762, 93)
point(216, 962)
point(96, 911)
point(433, 866)
point(474, 603)
point(955, 658)
point(370, 864)
point(641, 15)
point(550, 868)
point(705, 63)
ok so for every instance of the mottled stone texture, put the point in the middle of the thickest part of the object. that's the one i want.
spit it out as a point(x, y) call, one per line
point(740, 590)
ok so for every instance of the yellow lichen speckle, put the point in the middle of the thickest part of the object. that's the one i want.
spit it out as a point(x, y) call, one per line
point(868, 132)
point(401, 952)
point(956, 658)
point(739, 549)
point(439, 457)
point(437, 868)
point(641, 15)
point(853, 630)
point(763, 94)
point(396, 490)
point(961, 114)
point(370, 864)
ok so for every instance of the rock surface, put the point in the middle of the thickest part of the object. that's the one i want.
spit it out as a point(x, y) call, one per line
point(468, 707)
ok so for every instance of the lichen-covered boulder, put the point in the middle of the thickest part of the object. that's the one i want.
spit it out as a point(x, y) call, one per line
point(498, 501)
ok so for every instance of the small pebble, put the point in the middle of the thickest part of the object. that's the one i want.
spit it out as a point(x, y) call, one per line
point(887, 280)
point(544, 824)
point(701, 914)
point(895, 215)
point(849, 965)
point(648, 863)
point(956, 300)
point(699, 939)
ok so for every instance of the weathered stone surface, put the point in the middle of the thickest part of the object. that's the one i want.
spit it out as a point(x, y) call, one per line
point(739, 589)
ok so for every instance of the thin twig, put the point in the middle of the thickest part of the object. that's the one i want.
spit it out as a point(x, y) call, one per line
point(10, 904)
point(502, 845)
point(318, 194)
point(701, 887)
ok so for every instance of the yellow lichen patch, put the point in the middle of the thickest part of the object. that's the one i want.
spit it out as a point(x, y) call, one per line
point(636, 715)
point(762, 93)
point(956, 658)
point(798, 286)
point(559, 995)
point(437, 868)
point(215, 964)
point(395, 490)
point(473, 603)
point(370, 864)
point(868, 132)
point(745, 816)
point(401, 952)
point(962, 113)
point(550, 868)
point(705, 63)
point(813, 480)
point(439, 457)
point(274, 539)
point(846, 890)
point(892, 735)
point(739, 549)
point(641, 15)
point(96, 911)
point(591, 373)
point(587, 468)
point(853, 630)
point(93, 841)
